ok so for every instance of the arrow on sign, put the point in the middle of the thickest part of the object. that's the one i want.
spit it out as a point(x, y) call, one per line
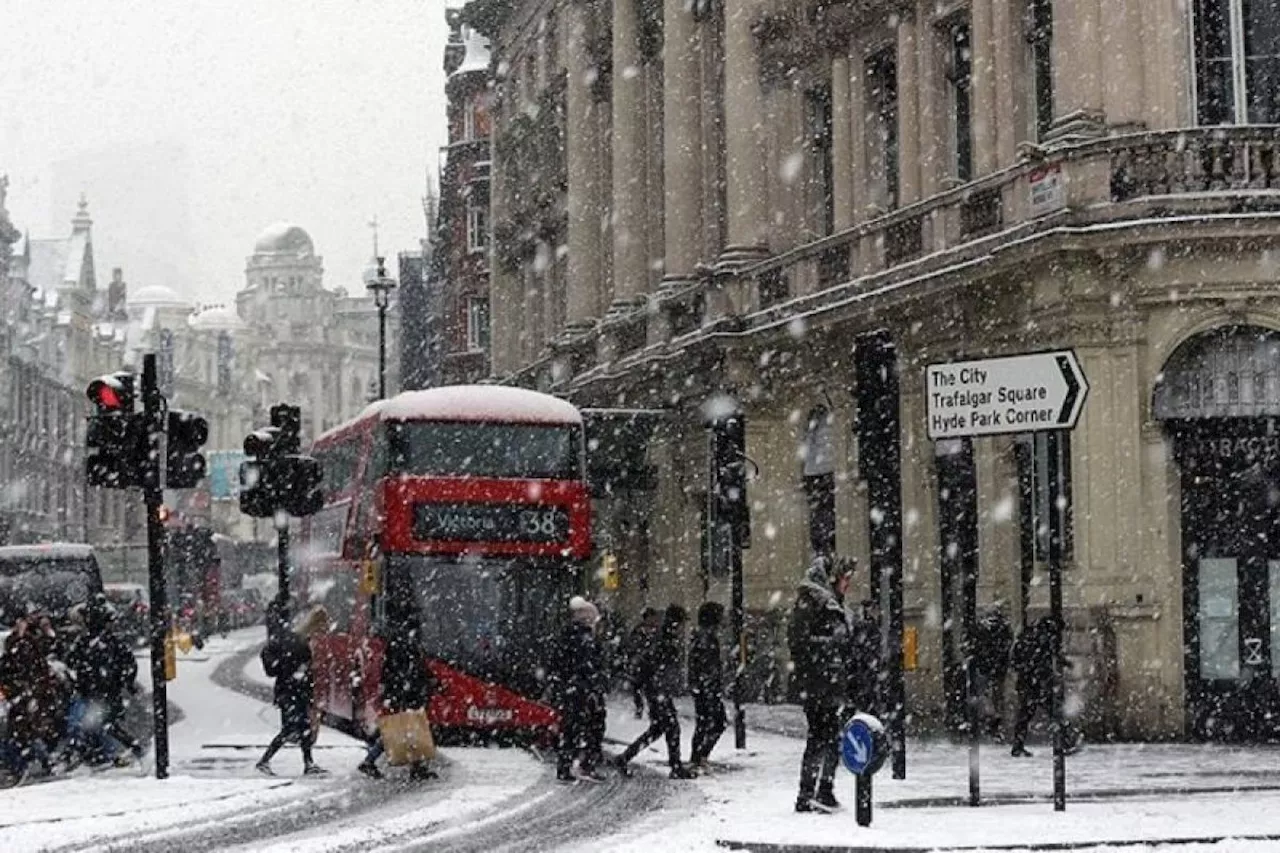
point(1068, 368)
point(860, 751)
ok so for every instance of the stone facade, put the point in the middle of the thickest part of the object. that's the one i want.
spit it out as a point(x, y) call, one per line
point(750, 188)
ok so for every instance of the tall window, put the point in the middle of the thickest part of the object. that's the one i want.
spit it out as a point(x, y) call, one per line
point(818, 118)
point(960, 75)
point(477, 227)
point(1039, 32)
point(820, 482)
point(1237, 61)
point(477, 324)
point(882, 117)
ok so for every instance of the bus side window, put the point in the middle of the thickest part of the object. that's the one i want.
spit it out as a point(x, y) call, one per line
point(340, 601)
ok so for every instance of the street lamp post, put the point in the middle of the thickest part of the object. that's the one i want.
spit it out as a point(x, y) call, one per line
point(380, 287)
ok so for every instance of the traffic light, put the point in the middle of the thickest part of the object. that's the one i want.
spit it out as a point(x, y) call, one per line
point(288, 420)
point(115, 438)
point(302, 495)
point(257, 473)
point(185, 464)
point(729, 475)
point(276, 476)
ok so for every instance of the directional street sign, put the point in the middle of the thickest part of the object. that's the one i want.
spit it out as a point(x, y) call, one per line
point(1019, 393)
point(863, 745)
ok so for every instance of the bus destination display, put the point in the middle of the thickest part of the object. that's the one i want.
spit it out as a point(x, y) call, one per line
point(490, 523)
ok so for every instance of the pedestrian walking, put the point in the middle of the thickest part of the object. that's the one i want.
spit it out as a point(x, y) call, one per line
point(407, 685)
point(1033, 677)
point(819, 638)
point(639, 642)
point(582, 684)
point(290, 666)
point(34, 694)
point(991, 648)
point(706, 683)
point(661, 677)
point(103, 670)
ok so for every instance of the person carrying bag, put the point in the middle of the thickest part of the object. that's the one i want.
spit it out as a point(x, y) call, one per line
point(404, 730)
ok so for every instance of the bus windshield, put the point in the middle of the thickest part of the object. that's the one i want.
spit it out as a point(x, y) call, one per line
point(491, 618)
point(537, 451)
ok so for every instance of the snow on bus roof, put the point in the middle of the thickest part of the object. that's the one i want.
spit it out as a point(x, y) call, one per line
point(49, 550)
point(479, 403)
point(468, 403)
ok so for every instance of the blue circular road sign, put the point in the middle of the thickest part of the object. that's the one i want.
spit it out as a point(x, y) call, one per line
point(863, 746)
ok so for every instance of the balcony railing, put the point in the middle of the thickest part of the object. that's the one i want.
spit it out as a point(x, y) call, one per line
point(1239, 166)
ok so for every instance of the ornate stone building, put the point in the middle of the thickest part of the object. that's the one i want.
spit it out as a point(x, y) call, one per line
point(802, 204)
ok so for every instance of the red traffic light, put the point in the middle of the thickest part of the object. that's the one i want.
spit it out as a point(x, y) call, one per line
point(112, 393)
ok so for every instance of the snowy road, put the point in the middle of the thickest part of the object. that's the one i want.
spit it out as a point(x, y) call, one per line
point(485, 800)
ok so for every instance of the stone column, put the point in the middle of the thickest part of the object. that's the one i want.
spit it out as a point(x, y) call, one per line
point(908, 112)
point(582, 303)
point(1010, 115)
point(630, 264)
point(1122, 77)
point(842, 116)
point(746, 190)
point(681, 142)
point(1077, 70)
point(982, 102)
point(858, 131)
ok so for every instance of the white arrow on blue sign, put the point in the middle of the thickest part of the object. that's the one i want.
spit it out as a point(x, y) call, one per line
point(862, 745)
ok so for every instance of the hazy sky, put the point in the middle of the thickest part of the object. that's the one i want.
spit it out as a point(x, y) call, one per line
point(321, 112)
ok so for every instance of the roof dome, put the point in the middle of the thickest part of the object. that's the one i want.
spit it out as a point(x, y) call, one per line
point(158, 295)
point(284, 238)
point(216, 318)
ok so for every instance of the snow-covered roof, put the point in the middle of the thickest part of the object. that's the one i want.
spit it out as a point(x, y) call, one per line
point(46, 551)
point(216, 318)
point(476, 57)
point(479, 403)
point(284, 238)
point(160, 296)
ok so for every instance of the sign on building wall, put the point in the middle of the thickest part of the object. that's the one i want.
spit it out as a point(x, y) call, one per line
point(1020, 393)
point(226, 358)
point(224, 474)
point(1048, 189)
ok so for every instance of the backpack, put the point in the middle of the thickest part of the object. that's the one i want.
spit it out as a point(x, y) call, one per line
point(270, 657)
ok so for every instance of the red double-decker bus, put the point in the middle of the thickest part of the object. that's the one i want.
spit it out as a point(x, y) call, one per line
point(467, 505)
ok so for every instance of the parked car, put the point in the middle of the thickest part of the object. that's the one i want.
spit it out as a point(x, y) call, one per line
point(133, 611)
point(50, 578)
point(242, 608)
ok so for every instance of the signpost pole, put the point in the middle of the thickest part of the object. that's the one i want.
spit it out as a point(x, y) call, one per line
point(1059, 457)
point(862, 799)
point(968, 532)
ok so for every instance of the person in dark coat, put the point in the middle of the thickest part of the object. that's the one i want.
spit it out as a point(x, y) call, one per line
point(661, 675)
point(1033, 671)
point(294, 690)
point(407, 685)
point(706, 683)
point(820, 639)
point(639, 642)
point(35, 698)
point(992, 644)
point(582, 687)
point(102, 669)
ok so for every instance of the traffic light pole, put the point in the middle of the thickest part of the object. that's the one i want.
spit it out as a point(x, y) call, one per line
point(153, 497)
point(737, 597)
point(282, 561)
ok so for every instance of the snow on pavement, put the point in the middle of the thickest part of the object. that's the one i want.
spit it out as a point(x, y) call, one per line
point(750, 797)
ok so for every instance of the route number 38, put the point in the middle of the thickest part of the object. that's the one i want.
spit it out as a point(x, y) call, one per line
point(541, 524)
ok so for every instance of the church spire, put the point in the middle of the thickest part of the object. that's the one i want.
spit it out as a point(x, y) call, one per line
point(82, 220)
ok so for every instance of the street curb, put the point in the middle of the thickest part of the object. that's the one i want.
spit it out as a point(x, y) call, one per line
point(770, 847)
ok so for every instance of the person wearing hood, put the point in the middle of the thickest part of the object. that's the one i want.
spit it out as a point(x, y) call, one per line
point(706, 683)
point(294, 690)
point(103, 669)
point(661, 677)
point(819, 638)
point(583, 683)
